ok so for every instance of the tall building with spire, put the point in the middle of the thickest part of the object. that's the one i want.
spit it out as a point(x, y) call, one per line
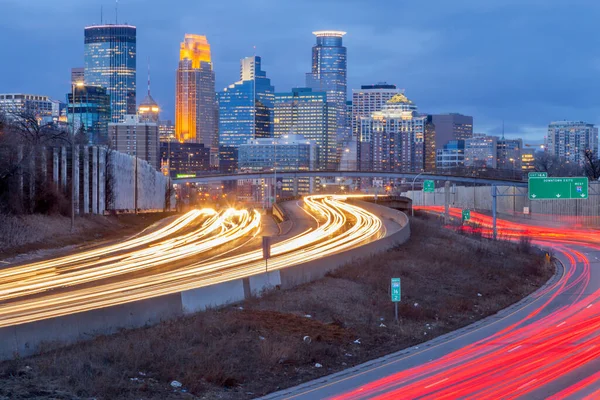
point(149, 111)
point(110, 62)
point(196, 113)
point(329, 74)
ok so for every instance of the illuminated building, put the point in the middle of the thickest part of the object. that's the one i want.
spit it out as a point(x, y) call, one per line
point(452, 155)
point(166, 130)
point(286, 153)
point(136, 138)
point(185, 158)
point(307, 113)
point(451, 127)
point(110, 62)
point(429, 149)
point(77, 75)
point(228, 159)
point(366, 101)
point(527, 160)
point(509, 153)
point(148, 111)
point(481, 151)
point(328, 74)
point(393, 139)
point(89, 109)
point(196, 112)
point(569, 140)
point(246, 107)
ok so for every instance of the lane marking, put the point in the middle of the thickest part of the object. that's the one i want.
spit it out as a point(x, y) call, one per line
point(514, 348)
point(562, 323)
point(438, 382)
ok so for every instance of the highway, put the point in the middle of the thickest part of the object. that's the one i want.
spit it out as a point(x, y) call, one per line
point(200, 248)
point(546, 346)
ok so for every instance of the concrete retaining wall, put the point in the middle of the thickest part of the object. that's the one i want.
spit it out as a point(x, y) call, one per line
point(28, 339)
point(511, 201)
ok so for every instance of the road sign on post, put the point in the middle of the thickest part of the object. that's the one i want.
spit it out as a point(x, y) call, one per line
point(537, 175)
point(428, 186)
point(266, 248)
point(395, 289)
point(558, 188)
point(396, 295)
point(466, 215)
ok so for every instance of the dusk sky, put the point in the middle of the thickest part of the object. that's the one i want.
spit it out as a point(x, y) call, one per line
point(528, 62)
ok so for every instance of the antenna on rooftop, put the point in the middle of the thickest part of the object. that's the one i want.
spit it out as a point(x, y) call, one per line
point(148, 75)
point(116, 11)
point(101, 14)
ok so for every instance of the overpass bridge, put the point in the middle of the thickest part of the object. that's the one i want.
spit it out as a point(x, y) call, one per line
point(350, 174)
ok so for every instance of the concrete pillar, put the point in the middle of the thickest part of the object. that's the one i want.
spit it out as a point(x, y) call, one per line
point(20, 170)
point(44, 164)
point(95, 180)
point(63, 167)
point(447, 202)
point(86, 179)
point(75, 178)
point(31, 181)
point(101, 180)
point(295, 186)
point(55, 167)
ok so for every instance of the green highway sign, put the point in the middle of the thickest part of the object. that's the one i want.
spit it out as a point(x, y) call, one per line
point(428, 186)
point(395, 290)
point(537, 175)
point(558, 188)
point(466, 215)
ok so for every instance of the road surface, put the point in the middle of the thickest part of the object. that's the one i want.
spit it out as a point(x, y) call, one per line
point(202, 247)
point(546, 346)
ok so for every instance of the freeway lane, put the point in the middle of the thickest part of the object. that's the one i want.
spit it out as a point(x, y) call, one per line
point(80, 282)
point(546, 346)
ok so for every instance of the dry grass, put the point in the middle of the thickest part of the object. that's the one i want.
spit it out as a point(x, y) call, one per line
point(448, 281)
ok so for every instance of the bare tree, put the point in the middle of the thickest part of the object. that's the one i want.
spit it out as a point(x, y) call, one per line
point(555, 166)
point(592, 165)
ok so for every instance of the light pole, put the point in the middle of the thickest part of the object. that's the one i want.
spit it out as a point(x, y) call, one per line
point(412, 207)
point(274, 173)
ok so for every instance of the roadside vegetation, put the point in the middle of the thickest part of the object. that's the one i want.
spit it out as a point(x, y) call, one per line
point(284, 338)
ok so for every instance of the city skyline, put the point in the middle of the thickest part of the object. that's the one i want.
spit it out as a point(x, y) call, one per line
point(483, 76)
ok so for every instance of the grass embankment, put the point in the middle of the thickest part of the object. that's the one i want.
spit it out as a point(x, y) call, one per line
point(448, 281)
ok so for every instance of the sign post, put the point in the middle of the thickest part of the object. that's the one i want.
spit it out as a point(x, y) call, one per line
point(558, 188)
point(396, 294)
point(266, 248)
point(466, 215)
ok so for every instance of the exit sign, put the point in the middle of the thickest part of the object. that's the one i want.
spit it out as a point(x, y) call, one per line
point(537, 175)
point(558, 188)
point(395, 290)
point(428, 186)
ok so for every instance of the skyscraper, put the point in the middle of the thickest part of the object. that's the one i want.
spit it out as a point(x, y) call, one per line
point(368, 99)
point(196, 111)
point(246, 107)
point(394, 138)
point(77, 75)
point(110, 62)
point(570, 139)
point(307, 113)
point(481, 151)
point(328, 74)
point(451, 127)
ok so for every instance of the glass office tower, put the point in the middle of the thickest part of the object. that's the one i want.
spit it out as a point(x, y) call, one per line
point(328, 75)
point(246, 107)
point(110, 62)
point(88, 107)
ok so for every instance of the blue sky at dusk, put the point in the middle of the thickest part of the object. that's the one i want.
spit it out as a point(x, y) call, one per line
point(528, 62)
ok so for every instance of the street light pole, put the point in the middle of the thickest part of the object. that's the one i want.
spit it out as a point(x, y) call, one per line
point(275, 173)
point(412, 207)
